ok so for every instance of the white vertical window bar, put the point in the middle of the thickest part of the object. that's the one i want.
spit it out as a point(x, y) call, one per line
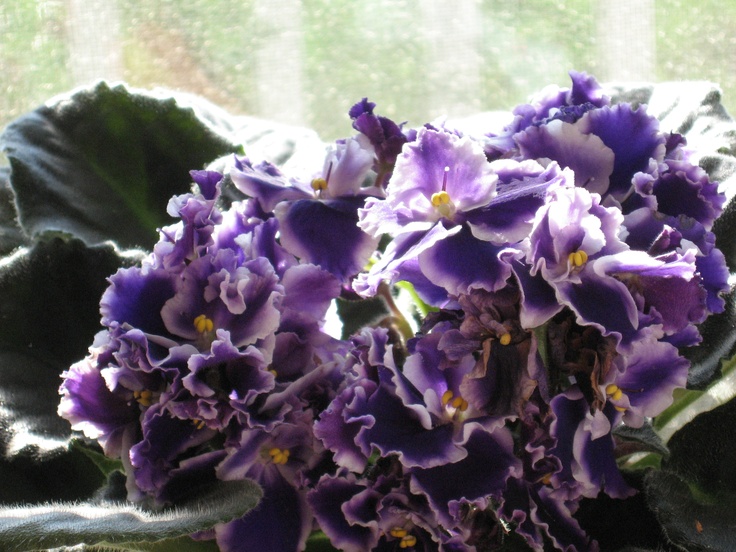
point(626, 40)
point(452, 33)
point(280, 61)
point(94, 41)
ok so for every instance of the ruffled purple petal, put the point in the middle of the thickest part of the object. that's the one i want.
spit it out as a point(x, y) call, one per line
point(474, 479)
point(586, 154)
point(328, 499)
point(522, 190)
point(397, 430)
point(667, 284)
point(585, 89)
point(339, 424)
point(714, 273)
point(634, 137)
point(308, 290)
point(281, 522)
point(91, 407)
point(461, 262)
point(400, 261)
point(585, 449)
point(647, 378)
point(135, 297)
point(538, 299)
point(197, 296)
point(165, 438)
point(539, 512)
point(208, 183)
point(267, 185)
point(685, 189)
point(604, 303)
point(326, 233)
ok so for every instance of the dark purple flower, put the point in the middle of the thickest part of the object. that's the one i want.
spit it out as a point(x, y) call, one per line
point(317, 219)
point(94, 408)
point(386, 137)
point(585, 446)
point(283, 520)
point(640, 384)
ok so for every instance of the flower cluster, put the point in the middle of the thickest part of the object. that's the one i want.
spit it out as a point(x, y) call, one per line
point(564, 261)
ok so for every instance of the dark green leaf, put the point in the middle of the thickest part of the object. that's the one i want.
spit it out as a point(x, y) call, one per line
point(644, 437)
point(694, 495)
point(50, 314)
point(692, 520)
point(103, 163)
point(704, 451)
point(620, 523)
point(358, 314)
point(319, 542)
point(59, 474)
point(11, 235)
point(116, 526)
point(719, 342)
point(105, 464)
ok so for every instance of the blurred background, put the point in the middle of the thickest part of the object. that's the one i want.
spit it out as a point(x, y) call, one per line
point(305, 62)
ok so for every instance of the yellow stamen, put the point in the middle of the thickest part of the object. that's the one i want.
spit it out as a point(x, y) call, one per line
point(446, 397)
point(442, 202)
point(546, 479)
point(505, 339)
point(577, 258)
point(203, 324)
point(460, 404)
point(440, 198)
point(273, 372)
point(614, 391)
point(408, 541)
point(319, 184)
point(398, 532)
point(279, 456)
point(144, 398)
point(199, 424)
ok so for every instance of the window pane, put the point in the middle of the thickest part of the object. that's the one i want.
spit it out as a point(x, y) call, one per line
point(306, 61)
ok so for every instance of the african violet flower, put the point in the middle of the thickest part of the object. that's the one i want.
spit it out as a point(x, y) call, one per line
point(569, 258)
point(453, 215)
point(317, 218)
point(213, 349)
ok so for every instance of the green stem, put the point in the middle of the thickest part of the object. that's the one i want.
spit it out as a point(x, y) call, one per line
point(398, 318)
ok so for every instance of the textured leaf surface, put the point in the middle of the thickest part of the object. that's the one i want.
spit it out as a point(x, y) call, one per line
point(50, 314)
point(56, 525)
point(102, 163)
point(694, 496)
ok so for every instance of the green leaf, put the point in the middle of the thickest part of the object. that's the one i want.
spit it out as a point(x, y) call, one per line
point(694, 495)
point(643, 439)
point(50, 314)
point(11, 235)
point(719, 342)
point(359, 314)
point(118, 527)
point(105, 464)
point(692, 521)
point(102, 163)
point(704, 450)
point(319, 542)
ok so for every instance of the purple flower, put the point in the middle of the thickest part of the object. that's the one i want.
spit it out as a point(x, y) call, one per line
point(386, 137)
point(317, 219)
point(640, 384)
point(453, 215)
point(283, 520)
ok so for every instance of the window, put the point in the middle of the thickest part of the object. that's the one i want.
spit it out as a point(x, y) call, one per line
point(305, 61)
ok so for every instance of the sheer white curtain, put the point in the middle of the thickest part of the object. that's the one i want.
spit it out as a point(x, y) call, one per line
point(304, 62)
